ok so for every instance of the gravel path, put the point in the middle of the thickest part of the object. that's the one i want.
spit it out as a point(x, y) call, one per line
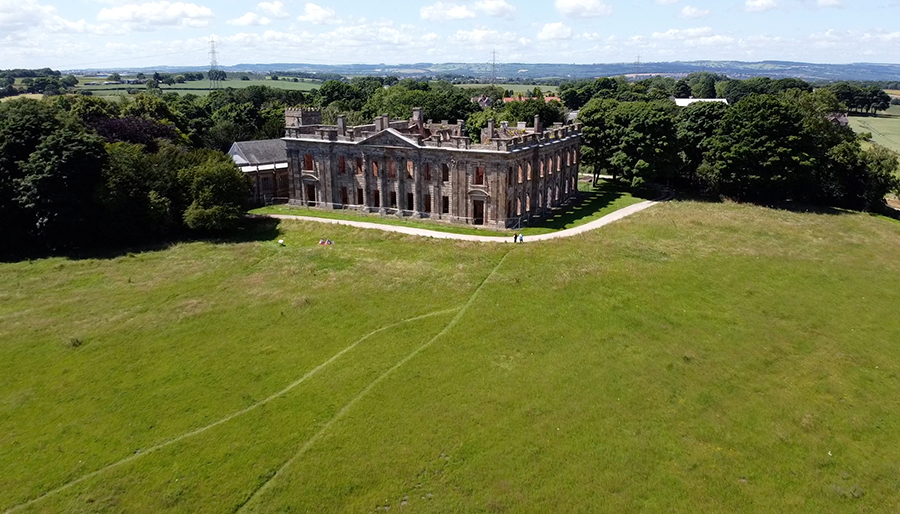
point(569, 232)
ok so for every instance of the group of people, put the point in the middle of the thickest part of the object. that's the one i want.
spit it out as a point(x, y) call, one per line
point(325, 242)
point(518, 238)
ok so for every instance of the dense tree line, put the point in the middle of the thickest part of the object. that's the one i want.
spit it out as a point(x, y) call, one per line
point(765, 148)
point(80, 171)
point(861, 99)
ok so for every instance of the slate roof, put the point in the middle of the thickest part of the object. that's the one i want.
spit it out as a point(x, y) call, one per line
point(254, 153)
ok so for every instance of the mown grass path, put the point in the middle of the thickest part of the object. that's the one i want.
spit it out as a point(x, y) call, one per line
point(569, 232)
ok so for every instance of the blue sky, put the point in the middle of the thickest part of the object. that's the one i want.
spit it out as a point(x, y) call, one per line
point(66, 34)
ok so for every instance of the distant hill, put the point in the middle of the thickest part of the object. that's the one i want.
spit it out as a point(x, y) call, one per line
point(734, 69)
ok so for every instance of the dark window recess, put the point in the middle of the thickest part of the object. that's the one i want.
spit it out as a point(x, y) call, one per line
point(445, 204)
point(359, 197)
point(445, 173)
point(410, 202)
point(479, 175)
point(394, 199)
point(427, 203)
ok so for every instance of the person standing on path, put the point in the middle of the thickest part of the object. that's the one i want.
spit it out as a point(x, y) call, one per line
point(521, 238)
point(515, 237)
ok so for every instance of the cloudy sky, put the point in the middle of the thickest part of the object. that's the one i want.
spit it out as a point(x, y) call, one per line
point(69, 34)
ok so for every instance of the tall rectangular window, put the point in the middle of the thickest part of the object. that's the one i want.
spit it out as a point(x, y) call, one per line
point(345, 198)
point(394, 199)
point(359, 166)
point(342, 165)
point(374, 169)
point(427, 172)
point(445, 204)
point(376, 198)
point(445, 173)
point(427, 205)
point(308, 161)
point(392, 168)
point(409, 169)
point(410, 202)
point(359, 196)
point(479, 175)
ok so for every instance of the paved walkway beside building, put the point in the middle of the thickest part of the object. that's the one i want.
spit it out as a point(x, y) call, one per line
point(569, 232)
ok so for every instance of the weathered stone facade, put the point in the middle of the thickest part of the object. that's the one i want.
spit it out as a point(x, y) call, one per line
point(426, 169)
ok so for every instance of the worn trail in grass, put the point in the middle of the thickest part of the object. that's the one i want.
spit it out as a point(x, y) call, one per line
point(693, 357)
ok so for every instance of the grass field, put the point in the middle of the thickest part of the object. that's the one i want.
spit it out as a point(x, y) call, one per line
point(199, 87)
point(885, 128)
point(695, 357)
point(517, 88)
point(595, 203)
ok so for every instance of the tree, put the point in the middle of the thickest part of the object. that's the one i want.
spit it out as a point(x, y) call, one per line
point(599, 135)
point(57, 191)
point(682, 89)
point(761, 152)
point(24, 123)
point(218, 191)
point(116, 77)
point(697, 123)
point(647, 147)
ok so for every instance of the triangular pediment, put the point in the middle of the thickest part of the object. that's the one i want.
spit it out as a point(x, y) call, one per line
point(389, 137)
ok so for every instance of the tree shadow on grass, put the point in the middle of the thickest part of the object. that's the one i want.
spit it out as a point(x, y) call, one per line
point(790, 206)
point(587, 204)
point(248, 230)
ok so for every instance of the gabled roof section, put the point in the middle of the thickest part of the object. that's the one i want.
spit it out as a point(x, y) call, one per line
point(254, 153)
point(389, 137)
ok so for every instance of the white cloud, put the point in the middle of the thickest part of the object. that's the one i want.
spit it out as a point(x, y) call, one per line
point(29, 15)
point(249, 19)
point(557, 30)
point(690, 12)
point(676, 34)
point(760, 5)
point(275, 9)
point(441, 11)
point(150, 15)
point(583, 8)
point(482, 35)
point(318, 15)
point(496, 8)
point(829, 3)
point(23, 14)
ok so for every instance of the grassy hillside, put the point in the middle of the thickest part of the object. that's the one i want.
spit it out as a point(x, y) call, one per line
point(693, 358)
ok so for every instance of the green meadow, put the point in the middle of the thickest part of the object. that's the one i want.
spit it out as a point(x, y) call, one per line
point(195, 87)
point(885, 128)
point(694, 357)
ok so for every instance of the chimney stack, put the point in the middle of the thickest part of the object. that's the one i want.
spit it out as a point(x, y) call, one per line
point(342, 125)
point(537, 124)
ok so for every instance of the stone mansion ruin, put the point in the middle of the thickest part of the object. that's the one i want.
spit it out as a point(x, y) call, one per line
point(425, 169)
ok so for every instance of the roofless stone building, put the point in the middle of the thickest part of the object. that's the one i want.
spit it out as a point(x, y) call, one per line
point(432, 170)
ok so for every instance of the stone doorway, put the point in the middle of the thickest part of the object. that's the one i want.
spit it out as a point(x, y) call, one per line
point(311, 195)
point(478, 212)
